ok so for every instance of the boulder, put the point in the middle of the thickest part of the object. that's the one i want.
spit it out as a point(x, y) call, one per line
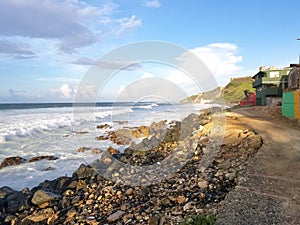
point(58, 185)
point(112, 150)
point(103, 126)
point(38, 217)
point(102, 138)
point(142, 131)
point(157, 126)
point(120, 137)
point(84, 171)
point(97, 150)
point(189, 124)
point(41, 196)
point(12, 201)
point(45, 157)
point(83, 149)
point(12, 161)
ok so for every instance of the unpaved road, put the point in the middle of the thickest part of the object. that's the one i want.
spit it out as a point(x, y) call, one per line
point(269, 193)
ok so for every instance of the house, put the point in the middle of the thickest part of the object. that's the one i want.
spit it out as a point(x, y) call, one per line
point(250, 101)
point(293, 77)
point(291, 94)
point(268, 83)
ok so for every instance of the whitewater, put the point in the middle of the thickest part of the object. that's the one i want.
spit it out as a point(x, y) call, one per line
point(31, 130)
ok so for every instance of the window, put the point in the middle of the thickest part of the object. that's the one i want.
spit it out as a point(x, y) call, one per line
point(274, 74)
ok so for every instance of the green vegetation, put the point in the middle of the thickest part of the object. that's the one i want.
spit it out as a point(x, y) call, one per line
point(233, 92)
point(199, 220)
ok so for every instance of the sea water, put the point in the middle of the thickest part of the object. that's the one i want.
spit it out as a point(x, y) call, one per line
point(59, 129)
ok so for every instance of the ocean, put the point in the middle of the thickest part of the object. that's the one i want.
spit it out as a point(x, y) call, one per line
point(59, 129)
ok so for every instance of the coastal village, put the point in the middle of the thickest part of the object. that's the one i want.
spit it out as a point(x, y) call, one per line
point(275, 86)
point(251, 178)
point(149, 112)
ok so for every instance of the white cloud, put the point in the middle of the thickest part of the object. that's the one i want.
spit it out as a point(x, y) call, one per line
point(147, 75)
point(153, 4)
point(128, 24)
point(184, 82)
point(64, 92)
point(86, 92)
point(151, 88)
point(68, 25)
point(221, 59)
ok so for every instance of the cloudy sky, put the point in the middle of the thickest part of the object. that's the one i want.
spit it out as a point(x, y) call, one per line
point(47, 46)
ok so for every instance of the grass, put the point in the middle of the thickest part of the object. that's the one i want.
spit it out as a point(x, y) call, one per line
point(233, 92)
point(199, 220)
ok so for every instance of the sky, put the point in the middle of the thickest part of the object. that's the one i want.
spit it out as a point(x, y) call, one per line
point(47, 47)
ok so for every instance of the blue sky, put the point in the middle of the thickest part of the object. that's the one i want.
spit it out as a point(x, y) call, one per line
point(47, 47)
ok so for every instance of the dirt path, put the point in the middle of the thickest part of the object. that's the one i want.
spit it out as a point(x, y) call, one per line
point(270, 191)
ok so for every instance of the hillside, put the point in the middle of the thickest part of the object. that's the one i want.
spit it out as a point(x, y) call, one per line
point(233, 92)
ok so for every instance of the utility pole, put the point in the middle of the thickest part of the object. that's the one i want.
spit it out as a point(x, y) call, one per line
point(298, 71)
point(298, 39)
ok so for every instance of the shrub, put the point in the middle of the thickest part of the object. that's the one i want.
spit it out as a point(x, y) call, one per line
point(199, 220)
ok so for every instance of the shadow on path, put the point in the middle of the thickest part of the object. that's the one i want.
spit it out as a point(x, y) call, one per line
point(269, 193)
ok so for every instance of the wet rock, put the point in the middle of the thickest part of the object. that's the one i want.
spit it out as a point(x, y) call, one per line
point(12, 201)
point(82, 132)
point(142, 131)
point(45, 157)
point(12, 161)
point(84, 171)
point(112, 150)
point(97, 151)
point(103, 126)
point(40, 197)
point(83, 149)
point(80, 185)
point(129, 151)
point(49, 168)
point(102, 138)
point(89, 197)
point(5, 191)
point(121, 122)
point(58, 185)
point(121, 136)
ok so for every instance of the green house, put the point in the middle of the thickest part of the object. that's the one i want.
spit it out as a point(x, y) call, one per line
point(268, 82)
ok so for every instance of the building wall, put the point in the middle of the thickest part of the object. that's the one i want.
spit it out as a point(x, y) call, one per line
point(290, 104)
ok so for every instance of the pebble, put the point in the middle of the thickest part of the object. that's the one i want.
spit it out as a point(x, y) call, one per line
point(115, 216)
point(129, 191)
point(89, 198)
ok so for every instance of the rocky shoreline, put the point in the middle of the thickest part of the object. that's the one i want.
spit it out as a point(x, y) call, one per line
point(115, 189)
